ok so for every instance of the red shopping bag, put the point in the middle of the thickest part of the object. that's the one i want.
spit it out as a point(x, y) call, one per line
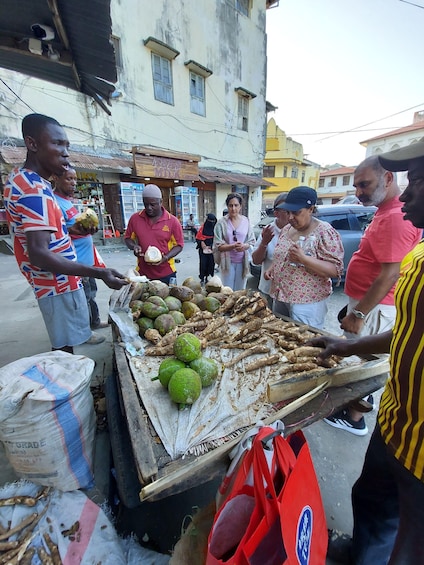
point(276, 517)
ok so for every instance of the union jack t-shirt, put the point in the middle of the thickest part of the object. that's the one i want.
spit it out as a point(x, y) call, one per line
point(30, 206)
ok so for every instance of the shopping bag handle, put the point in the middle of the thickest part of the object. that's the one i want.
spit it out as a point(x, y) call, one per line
point(283, 461)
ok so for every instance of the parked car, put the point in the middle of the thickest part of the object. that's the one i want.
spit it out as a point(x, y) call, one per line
point(350, 220)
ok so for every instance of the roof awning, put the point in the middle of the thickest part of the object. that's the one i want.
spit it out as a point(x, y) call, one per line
point(63, 42)
point(225, 177)
point(15, 156)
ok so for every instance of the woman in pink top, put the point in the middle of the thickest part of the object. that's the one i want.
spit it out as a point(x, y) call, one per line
point(233, 240)
point(309, 253)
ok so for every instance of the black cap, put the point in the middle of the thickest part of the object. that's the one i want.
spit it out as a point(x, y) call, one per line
point(298, 198)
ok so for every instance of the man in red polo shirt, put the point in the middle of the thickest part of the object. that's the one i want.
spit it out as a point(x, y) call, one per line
point(374, 269)
point(155, 226)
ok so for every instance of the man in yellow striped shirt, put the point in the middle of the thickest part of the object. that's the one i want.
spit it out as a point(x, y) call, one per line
point(388, 497)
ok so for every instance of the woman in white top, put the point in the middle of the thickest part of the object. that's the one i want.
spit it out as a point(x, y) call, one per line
point(233, 239)
point(263, 252)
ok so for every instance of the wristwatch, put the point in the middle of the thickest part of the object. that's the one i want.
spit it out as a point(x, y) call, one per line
point(358, 314)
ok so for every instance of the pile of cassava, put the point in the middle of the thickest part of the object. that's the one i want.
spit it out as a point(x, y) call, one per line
point(221, 320)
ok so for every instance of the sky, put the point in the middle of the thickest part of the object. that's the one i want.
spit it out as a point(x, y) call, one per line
point(341, 65)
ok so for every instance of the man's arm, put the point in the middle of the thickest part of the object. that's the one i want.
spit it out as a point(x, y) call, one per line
point(378, 343)
point(41, 256)
point(377, 291)
point(171, 253)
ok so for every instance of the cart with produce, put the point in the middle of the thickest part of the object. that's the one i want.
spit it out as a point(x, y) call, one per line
point(265, 371)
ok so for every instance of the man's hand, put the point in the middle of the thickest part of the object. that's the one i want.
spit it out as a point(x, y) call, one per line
point(352, 324)
point(333, 346)
point(78, 229)
point(138, 252)
point(113, 279)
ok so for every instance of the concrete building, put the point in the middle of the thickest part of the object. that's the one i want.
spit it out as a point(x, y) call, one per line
point(395, 139)
point(187, 111)
point(335, 184)
point(285, 165)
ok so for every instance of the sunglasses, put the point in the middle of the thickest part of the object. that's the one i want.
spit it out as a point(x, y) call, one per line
point(234, 235)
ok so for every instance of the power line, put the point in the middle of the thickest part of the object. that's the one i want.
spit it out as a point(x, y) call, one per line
point(371, 123)
point(412, 4)
point(17, 96)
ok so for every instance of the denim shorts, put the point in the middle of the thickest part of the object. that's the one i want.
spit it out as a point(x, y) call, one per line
point(66, 318)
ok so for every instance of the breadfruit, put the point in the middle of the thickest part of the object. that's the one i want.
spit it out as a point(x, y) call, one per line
point(185, 386)
point(167, 368)
point(206, 368)
point(187, 347)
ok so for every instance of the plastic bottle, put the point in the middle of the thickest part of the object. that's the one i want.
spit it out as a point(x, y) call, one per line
point(300, 243)
point(309, 245)
point(173, 281)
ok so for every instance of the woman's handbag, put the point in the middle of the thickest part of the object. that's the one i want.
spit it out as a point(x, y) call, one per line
point(274, 513)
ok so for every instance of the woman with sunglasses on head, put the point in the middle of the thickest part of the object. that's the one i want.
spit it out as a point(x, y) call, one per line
point(233, 239)
point(308, 254)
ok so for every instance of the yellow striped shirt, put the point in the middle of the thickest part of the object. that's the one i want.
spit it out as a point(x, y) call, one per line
point(401, 414)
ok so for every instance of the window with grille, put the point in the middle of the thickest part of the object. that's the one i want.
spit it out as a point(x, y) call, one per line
point(197, 94)
point(294, 172)
point(321, 183)
point(243, 113)
point(162, 79)
point(333, 181)
point(346, 180)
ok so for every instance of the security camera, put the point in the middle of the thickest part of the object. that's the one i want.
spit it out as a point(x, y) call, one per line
point(45, 33)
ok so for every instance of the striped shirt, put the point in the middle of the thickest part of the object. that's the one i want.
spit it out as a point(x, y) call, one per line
point(401, 414)
point(31, 206)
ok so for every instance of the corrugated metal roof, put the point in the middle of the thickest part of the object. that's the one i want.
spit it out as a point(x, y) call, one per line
point(15, 156)
point(225, 177)
point(82, 41)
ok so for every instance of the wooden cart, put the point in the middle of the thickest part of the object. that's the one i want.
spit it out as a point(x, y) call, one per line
point(160, 477)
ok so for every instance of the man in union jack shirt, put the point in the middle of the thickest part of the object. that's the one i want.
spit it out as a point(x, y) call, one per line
point(41, 242)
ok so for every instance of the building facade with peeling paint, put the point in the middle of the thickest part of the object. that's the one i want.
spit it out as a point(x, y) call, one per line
point(188, 110)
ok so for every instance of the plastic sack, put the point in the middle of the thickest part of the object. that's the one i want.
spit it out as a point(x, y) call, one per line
point(75, 525)
point(47, 419)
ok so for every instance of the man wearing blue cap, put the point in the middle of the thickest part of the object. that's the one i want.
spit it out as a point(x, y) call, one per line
point(388, 497)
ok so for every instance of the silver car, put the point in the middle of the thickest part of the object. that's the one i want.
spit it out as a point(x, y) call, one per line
point(350, 220)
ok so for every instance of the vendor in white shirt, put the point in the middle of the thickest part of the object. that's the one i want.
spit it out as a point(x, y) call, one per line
point(263, 252)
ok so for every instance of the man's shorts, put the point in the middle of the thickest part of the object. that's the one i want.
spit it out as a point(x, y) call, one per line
point(66, 318)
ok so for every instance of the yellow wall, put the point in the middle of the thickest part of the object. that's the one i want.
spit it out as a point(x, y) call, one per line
point(282, 151)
